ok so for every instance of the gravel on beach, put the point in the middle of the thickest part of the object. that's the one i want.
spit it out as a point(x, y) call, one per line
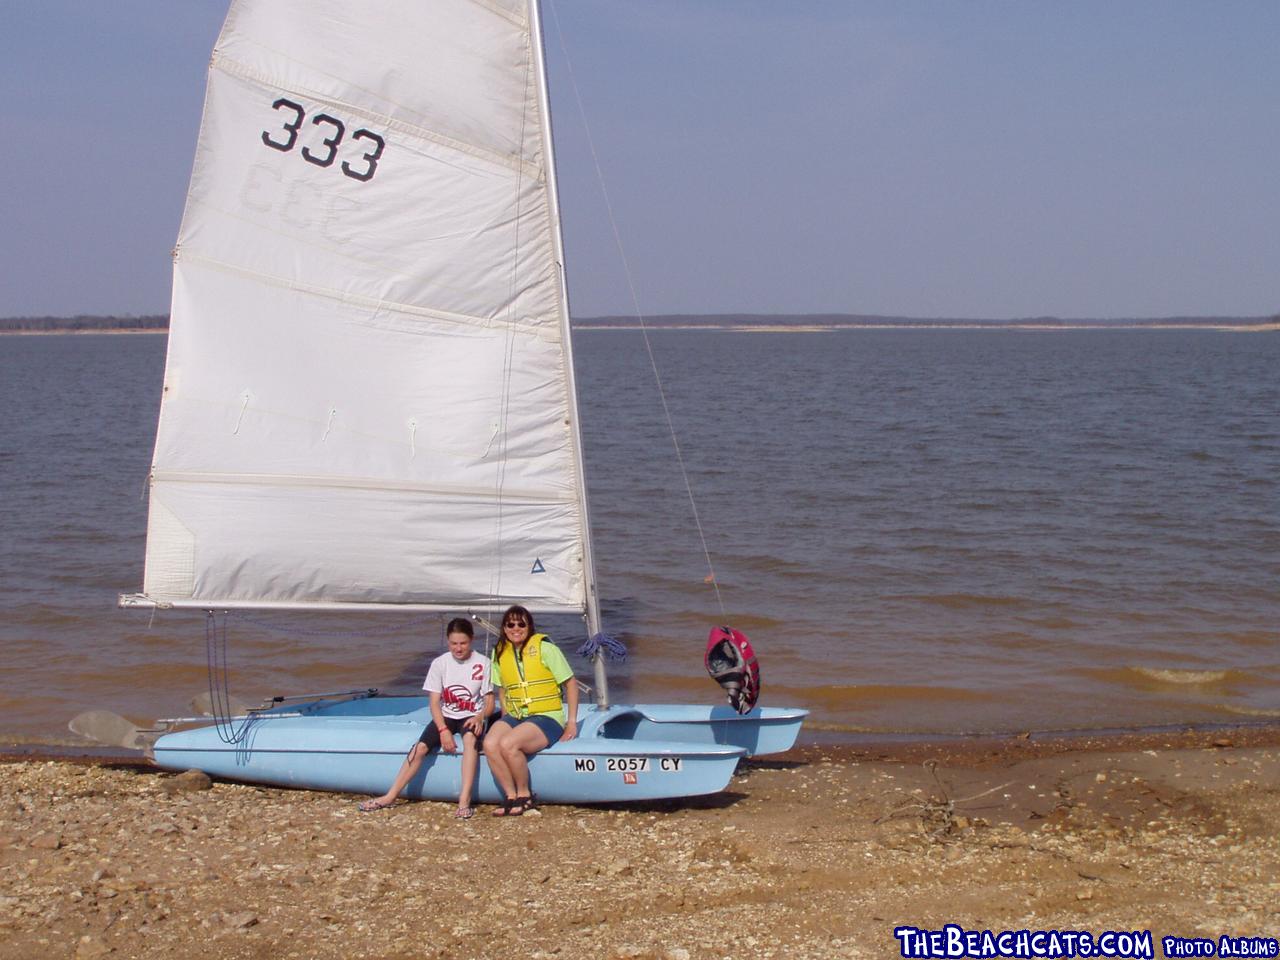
point(821, 852)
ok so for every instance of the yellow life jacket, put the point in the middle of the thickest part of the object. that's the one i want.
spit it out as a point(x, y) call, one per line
point(528, 684)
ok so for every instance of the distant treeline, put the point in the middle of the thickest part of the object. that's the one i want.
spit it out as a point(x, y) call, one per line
point(874, 320)
point(161, 321)
point(154, 322)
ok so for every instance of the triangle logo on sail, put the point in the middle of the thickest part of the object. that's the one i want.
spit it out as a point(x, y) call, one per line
point(537, 566)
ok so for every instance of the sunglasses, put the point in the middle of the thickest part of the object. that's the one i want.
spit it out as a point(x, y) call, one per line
point(517, 626)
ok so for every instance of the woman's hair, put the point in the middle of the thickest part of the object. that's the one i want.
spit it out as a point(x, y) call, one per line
point(460, 625)
point(514, 612)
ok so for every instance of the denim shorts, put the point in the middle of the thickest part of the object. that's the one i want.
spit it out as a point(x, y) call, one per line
point(548, 724)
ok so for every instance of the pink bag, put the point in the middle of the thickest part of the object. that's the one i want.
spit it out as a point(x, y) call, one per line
point(732, 664)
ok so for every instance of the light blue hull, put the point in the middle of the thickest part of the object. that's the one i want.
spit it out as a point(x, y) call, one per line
point(644, 752)
point(764, 730)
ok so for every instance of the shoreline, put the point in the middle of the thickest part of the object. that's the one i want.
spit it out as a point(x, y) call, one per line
point(107, 331)
point(845, 744)
point(990, 327)
point(847, 747)
point(822, 851)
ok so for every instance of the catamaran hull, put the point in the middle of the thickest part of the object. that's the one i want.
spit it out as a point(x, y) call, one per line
point(762, 731)
point(357, 746)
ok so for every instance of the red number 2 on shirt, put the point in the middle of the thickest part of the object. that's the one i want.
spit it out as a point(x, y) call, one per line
point(477, 671)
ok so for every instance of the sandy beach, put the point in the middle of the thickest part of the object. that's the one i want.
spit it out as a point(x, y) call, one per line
point(820, 852)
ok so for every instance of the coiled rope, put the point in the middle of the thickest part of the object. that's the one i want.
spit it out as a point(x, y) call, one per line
point(215, 649)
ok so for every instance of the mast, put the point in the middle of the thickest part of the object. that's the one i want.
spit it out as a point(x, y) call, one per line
point(575, 430)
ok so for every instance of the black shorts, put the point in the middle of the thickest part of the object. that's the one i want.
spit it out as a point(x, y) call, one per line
point(431, 735)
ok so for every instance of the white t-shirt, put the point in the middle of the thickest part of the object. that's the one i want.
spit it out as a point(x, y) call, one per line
point(462, 686)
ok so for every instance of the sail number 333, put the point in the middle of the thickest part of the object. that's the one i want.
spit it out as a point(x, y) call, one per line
point(361, 167)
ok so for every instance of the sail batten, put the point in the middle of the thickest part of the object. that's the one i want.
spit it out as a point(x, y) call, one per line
point(368, 397)
point(379, 307)
point(514, 496)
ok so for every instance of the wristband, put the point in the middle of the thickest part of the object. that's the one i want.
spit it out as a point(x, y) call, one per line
point(443, 729)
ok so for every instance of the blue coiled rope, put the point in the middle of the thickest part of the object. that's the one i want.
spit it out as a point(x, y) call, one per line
point(603, 644)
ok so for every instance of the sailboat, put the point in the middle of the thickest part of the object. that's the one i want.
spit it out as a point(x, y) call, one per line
point(369, 398)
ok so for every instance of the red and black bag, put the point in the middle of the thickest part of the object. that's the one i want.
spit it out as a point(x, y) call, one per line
point(732, 664)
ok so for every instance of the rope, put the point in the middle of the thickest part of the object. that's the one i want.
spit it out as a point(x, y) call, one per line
point(215, 647)
point(490, 631)
point(639, 314)
point(603, 644)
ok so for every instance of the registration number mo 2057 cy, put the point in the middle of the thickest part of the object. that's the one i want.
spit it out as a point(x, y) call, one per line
point(622, 764)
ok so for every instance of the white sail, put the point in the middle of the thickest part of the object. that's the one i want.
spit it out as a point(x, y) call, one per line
point(368, 395)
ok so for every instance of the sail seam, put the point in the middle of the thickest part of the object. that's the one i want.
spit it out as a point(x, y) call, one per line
point(510, 16)
point(393, 306)
point(512, 162)
point(355, 483)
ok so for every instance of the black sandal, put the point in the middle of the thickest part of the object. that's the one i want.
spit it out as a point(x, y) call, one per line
point(509, 808)
point(525, 803)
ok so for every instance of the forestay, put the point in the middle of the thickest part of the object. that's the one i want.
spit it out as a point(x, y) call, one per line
point(369, 395)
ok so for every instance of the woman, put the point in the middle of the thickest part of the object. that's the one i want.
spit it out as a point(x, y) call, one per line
point(461, 693)
point(536, 684)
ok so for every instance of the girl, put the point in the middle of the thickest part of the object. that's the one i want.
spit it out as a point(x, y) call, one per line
point(461, 692)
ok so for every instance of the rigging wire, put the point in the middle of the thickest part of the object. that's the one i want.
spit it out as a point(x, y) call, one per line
point(508, 356)
point(635, 303)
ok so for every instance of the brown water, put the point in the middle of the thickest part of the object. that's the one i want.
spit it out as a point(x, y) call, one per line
point(922, 531)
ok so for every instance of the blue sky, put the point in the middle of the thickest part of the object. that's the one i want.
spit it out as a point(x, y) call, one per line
point(981, 159)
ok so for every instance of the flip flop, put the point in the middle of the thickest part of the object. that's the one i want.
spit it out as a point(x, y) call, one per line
point(464, 813)
point(369, 806)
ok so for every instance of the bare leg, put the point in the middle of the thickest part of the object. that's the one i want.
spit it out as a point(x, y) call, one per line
point(524, 741)
point(470, 764)
point(493, 752)
point(407, 769)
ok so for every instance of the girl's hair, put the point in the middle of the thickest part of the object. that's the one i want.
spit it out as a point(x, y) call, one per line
point(514, 612)
point(460, 625)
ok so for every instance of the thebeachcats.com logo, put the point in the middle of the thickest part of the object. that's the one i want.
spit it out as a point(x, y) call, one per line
point(954, 941)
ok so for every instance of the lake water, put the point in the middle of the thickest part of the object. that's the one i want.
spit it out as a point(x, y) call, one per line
point(922, 531)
